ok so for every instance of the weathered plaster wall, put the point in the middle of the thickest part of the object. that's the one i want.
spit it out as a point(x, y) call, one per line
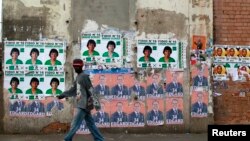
point(24, 19)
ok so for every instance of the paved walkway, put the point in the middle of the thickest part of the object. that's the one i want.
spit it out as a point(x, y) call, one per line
point(109, 137)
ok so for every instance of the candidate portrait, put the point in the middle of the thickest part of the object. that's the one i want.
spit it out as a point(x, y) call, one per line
point(54, 83)
point(34, 53)
point(34, 82)
point(111, 50)
point(147, 51)
point(200, 80)
point(199, 107)
point(14, 53)
point(101, 116)
point(167, 51)
point(137, 88)
point(55, 103)
point(155, 115)
point(91, 45)
point(53, 54)
point(18, 106)
point(174, 113)
point(36, 107)
point(102, 89)
point(120, 90)
point(119, 116)
point(14, 82)
point(174, 86)
point(136, 117)
point(155, 88)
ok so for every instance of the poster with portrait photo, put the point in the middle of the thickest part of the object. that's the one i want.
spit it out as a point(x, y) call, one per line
point(102, 86)
point(174, 110)
point(244, 70)
point(102, 116)
point(119, 86)
point(119, 110)
point(174, 84)
point(155, 86)
point(232, 54)
point(170, 51)
point(155, 111)
point(55, 59)
point(220, 52)
point(52, 103)
point(111, 49)
point(15, 86)
point(53, 86)
point(244, 54)
point(136, 114)
point(91, 50)
point(83, 128)
point(14, 54)
point(35, 83)
point(199, 100)
point(137, 88)
point(199, 46)
point(219, 71)
point(147, 54)
point(18, 108)
point(200, 77)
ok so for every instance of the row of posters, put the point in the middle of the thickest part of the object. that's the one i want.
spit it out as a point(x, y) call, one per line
point(34, 69)
point(111, 49)
point(121, 113)
point(231, 61)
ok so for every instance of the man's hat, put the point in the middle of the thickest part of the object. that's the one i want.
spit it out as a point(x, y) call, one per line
point(78, 63)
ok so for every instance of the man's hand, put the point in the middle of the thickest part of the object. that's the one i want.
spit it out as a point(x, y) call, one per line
point(60, 96)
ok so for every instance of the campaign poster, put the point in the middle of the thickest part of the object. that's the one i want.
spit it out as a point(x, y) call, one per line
point(53, 103)
point(53, 86)
point(174, 84)
point(220, 53)
point(34, 89)
point(14, 56)
point(155, 85)
point(137, 88)
point(199, 43)
point(101, 83)
point(199, 100)
point(27, 108)
point(244, 54)
point(155, 111)
point(200, 77)
point(119, 113)
point(232, 54)
point(15, 86)
point(91, 49)
point(83, 128)
point(170, 54)
point(174, 110)
point(102, 116)
point(34, 58)
point(244, 70)
point(136, 116)
point(119, 85)
point(112, 49)
point(147, 53)
point(219, 71)
point(54, 59)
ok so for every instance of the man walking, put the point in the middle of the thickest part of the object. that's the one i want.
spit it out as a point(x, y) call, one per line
point(81, 90)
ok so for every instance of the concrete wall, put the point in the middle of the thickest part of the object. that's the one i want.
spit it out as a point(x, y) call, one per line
point(64, 19)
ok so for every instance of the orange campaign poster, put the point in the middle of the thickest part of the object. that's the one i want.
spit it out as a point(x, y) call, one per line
point(137, 88)
point(53, 103)
point(102, 116)
point(199, 42)
point(83, 128)
point(101, 85)
point(119, 113)
point(155, 111)
point(174, 110)
point(200, 76)
point(155, 86)
point(136, 116)
point(119, 84)
point(174, 83)
point(199, 103)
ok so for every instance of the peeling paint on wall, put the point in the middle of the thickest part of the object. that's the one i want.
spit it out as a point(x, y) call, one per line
point(161, 22)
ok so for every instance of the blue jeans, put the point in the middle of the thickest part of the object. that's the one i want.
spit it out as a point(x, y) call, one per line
point(75, 125)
